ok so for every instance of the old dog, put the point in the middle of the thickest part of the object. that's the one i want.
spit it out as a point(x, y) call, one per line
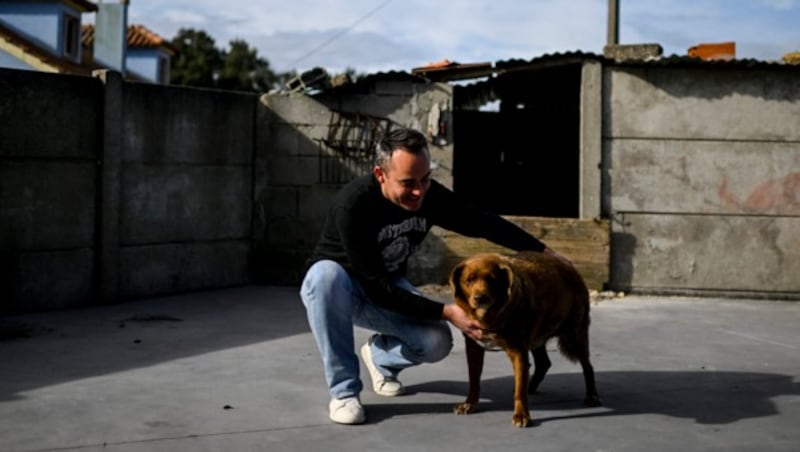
point(521, 301)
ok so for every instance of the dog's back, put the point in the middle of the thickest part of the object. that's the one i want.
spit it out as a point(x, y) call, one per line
point(559, 300)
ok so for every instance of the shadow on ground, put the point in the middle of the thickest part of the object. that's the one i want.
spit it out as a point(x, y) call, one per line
point(44, 349)
point(708, 397)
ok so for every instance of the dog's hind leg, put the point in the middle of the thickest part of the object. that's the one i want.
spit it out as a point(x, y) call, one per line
point(541, 364)
point(592, 399)
point(575, 346)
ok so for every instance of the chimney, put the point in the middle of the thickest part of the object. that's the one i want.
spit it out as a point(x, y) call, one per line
point(111, 33)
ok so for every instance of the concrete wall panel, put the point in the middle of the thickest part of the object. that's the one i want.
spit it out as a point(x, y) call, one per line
point(315, 201)
point(396, 108)
point(185, 203)
point(47, 204)
point(297, 109)
point(40, 281)
point(724, 253)
point(706, 177)
point(49, 115)
point(183, 125)
point(171, 268)
point(295, 141)
point(302, 171)
point(702, 103)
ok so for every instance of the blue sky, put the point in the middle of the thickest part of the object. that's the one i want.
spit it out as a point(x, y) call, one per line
point(383, 35)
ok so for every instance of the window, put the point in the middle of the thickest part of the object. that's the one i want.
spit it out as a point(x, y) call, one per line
point(72, 37)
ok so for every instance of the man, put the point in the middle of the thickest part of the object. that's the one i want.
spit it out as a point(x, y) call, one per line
point(356, 272)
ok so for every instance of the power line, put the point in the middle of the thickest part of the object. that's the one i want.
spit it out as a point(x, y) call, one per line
point(337, 35)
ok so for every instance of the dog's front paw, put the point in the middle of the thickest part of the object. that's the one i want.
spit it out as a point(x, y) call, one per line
point(465, 408)
point(521, 420)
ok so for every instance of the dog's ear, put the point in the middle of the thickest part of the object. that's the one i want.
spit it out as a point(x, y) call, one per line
point(455, 280)
point(508, 277)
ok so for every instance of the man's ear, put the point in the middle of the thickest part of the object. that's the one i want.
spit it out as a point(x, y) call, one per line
point(377, 171)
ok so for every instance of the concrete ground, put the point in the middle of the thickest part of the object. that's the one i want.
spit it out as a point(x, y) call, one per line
point(237, 370)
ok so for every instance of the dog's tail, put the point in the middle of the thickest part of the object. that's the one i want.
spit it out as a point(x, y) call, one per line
point(573, 337)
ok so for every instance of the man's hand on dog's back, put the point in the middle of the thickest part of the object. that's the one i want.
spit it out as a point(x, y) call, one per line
point(455, 315)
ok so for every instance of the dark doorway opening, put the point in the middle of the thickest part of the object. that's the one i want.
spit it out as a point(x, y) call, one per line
point(522, 158)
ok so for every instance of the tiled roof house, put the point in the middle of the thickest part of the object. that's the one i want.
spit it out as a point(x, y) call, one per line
point(47, 35)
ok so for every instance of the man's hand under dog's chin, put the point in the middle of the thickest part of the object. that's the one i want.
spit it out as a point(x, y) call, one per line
point(455, 315)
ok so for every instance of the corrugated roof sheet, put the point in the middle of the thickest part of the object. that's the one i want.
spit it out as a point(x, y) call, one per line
point(671, 60)
point(456, 71)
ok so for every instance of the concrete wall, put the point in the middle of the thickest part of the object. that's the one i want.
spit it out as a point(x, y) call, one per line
point(702, 179)
point(113, 190)
point(292, 203)
point(186, 189)
point(49, 145)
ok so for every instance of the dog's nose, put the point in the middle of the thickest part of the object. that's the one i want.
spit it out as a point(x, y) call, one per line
point(481, 298)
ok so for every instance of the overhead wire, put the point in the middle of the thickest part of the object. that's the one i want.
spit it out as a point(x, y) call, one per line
point(340, 33)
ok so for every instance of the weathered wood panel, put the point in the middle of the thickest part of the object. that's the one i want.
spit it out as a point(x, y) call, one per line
point(736, 177)
point(706, 252)
point(586, 242)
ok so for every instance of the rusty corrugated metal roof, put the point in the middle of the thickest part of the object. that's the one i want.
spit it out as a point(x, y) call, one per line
point(451, 70)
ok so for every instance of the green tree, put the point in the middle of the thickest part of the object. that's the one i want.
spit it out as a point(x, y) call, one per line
point(197, 61)
point(244, 70)
point(353, 75)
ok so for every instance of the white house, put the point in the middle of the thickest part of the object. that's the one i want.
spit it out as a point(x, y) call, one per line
point(50, 36)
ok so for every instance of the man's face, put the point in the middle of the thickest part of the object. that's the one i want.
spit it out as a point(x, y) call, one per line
point(406, 179)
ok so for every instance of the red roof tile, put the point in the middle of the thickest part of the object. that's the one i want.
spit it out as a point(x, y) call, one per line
point(138, 36)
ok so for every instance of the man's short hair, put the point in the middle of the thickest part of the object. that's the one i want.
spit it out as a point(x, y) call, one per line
point(409, 140)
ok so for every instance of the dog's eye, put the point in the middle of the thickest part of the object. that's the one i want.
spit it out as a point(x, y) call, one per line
point(470, 279)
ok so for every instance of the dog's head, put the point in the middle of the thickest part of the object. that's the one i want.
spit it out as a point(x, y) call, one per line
point(482, 285)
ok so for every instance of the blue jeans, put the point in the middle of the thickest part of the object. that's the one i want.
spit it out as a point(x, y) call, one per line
point(335, 302)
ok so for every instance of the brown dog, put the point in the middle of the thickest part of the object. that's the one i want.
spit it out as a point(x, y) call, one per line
point(521, 302)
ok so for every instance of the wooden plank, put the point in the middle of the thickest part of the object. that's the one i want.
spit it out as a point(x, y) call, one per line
point(586, 242)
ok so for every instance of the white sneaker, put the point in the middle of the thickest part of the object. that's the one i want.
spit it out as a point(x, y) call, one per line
point(347, 411)
point(382, 385)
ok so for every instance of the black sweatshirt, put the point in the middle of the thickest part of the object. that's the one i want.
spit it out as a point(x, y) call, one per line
point(372, 238)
